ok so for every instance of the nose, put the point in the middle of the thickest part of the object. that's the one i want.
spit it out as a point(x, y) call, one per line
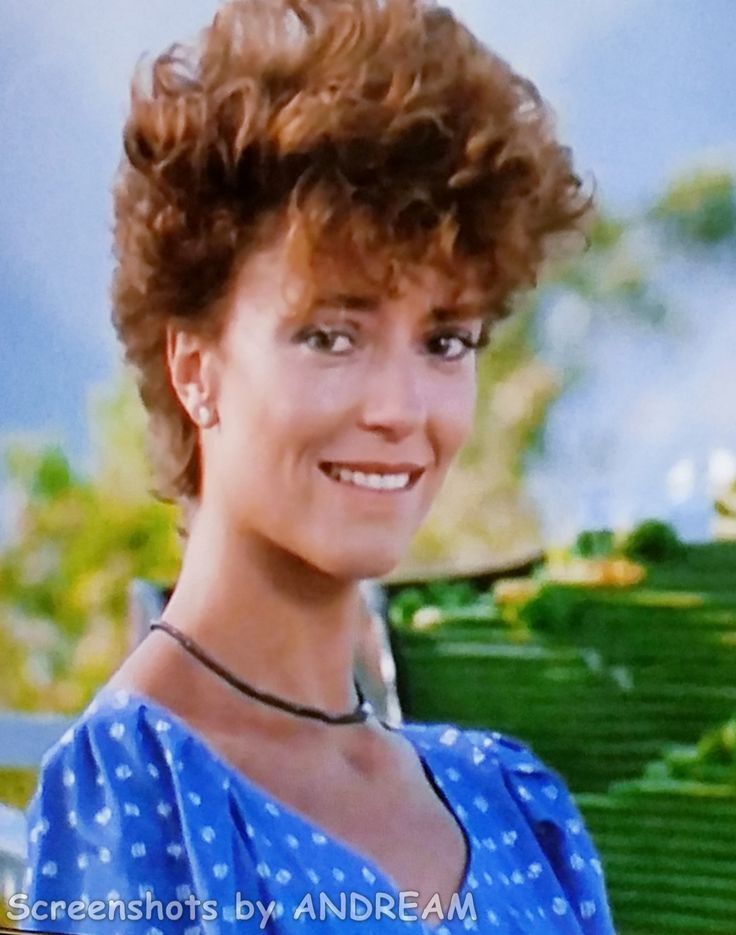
point(395, 397)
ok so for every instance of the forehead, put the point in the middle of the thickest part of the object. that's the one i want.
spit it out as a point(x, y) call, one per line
point(340, 283)
point(297, 282)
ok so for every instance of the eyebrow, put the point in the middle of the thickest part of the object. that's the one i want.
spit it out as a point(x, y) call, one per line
point(369, 304)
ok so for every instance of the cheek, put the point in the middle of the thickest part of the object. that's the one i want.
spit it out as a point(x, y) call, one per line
point(277, 419)
point(306, 412)
point(454, 411)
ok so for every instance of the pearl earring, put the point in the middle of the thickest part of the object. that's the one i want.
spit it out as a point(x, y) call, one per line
point(203, 415)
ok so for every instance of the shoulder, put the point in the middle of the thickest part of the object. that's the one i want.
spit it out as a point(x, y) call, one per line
point(111, 761)
point(483, 754)
point(503, 767)
point(502, 764)
point(123, 755)
point(505, 774)
point(104, 817)
point(480, 747)
point(112, 741)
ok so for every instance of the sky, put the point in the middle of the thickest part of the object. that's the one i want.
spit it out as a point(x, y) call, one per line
point(642, 89)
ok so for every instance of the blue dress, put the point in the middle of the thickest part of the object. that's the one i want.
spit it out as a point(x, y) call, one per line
point(138, 827)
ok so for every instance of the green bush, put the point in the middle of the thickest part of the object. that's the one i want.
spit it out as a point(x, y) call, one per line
point(404, 605)
point(711, 760)
point(595, 543)
point(653, 541)
point(556, 609)
point(451, 597)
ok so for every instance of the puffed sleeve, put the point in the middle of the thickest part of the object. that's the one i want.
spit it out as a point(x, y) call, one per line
point(104, 825)
point(548, 806)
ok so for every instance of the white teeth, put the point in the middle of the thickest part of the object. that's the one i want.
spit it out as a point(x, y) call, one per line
point(372, 481)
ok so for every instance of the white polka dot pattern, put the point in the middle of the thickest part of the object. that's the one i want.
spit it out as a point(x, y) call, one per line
point(132, 802)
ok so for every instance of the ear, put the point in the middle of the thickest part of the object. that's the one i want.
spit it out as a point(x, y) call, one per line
point(191, 361)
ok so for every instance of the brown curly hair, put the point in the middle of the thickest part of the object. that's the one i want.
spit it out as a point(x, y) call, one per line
point(383, 126)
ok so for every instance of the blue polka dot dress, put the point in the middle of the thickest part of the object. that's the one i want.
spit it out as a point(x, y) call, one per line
point(138, 827)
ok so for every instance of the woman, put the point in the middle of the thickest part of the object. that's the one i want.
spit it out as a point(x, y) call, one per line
point(323, 208)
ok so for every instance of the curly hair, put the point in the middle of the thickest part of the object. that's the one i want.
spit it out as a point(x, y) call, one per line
point(383, 126)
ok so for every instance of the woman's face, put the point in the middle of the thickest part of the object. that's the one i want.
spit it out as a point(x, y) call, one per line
point(335, 433)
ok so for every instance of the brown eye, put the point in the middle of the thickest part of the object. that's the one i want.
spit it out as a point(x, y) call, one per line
point(451, 345)
point(325, 339)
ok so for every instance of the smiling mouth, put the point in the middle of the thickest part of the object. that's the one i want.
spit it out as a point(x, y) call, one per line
point(382, 481)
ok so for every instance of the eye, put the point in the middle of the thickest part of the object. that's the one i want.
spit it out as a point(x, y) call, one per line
point(443, 343)
point(324, 340)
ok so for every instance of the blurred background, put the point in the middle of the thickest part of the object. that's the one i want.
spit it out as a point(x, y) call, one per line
point(574, 583)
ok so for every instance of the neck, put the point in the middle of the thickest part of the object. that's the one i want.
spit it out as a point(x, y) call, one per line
point(277, 623)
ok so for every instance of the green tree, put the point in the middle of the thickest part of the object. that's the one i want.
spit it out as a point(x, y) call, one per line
point(482, 515)
point(78, 542)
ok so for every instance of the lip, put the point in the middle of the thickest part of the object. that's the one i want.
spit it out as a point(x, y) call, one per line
point(414, 471)
point(377, 467)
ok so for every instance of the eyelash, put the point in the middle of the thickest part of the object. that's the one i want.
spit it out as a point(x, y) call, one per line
point(469, 343)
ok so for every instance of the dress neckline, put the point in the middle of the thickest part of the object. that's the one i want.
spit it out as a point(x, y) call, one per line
point(119, 699)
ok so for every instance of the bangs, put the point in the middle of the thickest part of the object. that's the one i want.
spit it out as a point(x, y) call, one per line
point(349, 258)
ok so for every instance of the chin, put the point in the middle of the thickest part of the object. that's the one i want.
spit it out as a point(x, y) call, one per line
point(359, 563)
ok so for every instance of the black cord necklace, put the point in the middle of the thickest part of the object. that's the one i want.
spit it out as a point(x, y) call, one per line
point(358, 715)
